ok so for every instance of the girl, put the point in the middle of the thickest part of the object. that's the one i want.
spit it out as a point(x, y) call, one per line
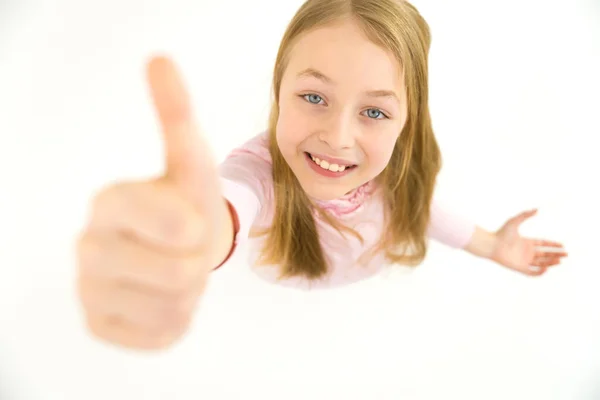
point(339, 185)
point(349, 161)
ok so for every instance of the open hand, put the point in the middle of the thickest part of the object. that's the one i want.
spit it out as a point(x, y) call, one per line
point(520, 253)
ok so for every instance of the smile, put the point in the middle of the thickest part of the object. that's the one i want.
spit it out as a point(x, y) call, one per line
point(324, 168)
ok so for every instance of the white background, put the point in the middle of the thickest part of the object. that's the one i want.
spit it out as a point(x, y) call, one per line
point(515, 102)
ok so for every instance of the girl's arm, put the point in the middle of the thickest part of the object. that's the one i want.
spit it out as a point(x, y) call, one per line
point(243, 206)
point(246, 180)
point(506, 246)
point(482, 243)
point(450, 228)
point(459, 232)
point(228, 240)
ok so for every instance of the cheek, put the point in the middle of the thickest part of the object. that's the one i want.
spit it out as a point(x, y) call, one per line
point(379, 154)
point(291, 127)
point(291, 116)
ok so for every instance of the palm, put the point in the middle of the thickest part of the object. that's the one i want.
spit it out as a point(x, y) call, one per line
point(520, 253)
point(514, 250)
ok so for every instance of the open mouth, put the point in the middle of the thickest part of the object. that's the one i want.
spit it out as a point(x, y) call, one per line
point(329, 167)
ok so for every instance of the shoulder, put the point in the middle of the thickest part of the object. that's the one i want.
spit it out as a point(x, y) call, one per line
point(254, 152)
point(255, 148)
point(249, 167)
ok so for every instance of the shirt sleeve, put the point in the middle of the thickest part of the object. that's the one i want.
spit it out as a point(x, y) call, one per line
point(246, 178)
point(449, 228)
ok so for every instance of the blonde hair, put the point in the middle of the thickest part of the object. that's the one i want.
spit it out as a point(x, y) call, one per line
point(407, 183)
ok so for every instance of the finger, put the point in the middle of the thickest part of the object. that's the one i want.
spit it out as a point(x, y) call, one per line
point(152, 212)
point(135, 304)
point(547, 243)
point(521, 217)
point(189, 163)
point(535, 270)
point(120, 333)
point(125, 260)
point(545, 261)
point(556, 254)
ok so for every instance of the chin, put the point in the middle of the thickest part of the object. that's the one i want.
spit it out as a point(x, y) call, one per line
point(324, 193)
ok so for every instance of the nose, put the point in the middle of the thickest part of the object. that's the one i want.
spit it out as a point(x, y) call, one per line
point(339, 134)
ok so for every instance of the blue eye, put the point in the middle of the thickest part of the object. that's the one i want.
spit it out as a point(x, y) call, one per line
point(374, 113)
point(313, 98)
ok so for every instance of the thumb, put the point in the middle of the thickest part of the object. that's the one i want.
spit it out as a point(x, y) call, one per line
point(188, 161)
point(516, 221)
point(525, 215)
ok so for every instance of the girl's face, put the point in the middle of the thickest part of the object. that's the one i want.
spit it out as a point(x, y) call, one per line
point(342, 105)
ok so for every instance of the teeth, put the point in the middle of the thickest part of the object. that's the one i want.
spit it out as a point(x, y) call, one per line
point(325, 165)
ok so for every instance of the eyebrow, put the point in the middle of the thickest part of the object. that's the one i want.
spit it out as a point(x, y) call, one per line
point(313, 73)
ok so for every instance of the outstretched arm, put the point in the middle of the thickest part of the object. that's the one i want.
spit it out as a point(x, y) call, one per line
point(504, 246)
point(508, 248)
point(482, 243)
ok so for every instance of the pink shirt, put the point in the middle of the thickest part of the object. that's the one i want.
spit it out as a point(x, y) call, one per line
point(248, 185)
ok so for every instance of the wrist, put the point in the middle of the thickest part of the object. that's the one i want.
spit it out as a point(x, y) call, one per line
point(483, 243)
point(229, 241)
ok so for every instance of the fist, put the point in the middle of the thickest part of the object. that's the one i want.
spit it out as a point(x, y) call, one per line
point(144, 257)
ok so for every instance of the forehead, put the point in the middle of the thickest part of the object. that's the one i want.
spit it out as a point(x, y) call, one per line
point(345, 54)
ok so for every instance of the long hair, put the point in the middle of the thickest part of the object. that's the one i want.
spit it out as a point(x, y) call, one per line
point(407, 183)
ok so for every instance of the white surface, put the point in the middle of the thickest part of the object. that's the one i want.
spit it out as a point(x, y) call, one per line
point(515, 101)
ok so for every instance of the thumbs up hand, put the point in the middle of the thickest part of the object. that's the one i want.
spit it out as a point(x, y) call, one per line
point(144, 258)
